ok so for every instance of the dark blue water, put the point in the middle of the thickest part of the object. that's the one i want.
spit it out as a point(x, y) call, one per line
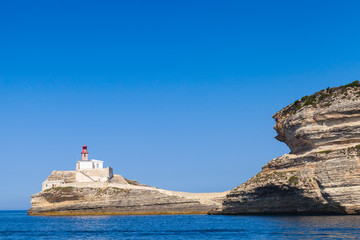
point(17, 225)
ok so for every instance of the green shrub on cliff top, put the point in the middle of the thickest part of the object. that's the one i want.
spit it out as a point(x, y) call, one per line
point(323, 97)
point(304, 98)
point(353, 84)
point(310, 101)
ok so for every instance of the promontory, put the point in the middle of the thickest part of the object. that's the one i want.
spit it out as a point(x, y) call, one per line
point(92, 189)
point(321, 174)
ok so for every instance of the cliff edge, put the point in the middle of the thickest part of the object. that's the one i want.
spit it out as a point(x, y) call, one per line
point(118, 197)
point(321, 174)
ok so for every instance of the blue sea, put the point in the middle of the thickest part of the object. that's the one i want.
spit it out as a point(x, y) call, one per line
point(18, 225)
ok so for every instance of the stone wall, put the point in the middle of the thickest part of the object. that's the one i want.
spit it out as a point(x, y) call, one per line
point(95, 175)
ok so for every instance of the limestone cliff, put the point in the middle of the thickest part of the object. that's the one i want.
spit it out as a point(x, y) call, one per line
point(321, 175)
point(119, 196)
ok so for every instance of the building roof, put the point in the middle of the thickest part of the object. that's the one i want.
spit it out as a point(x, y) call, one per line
point(96, 160)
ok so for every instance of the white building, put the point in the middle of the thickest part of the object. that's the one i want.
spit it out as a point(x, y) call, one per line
point(86, 164)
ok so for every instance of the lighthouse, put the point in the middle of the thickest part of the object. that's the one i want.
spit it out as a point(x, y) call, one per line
point(86, 172)
point(84, 154)
point(86, 164)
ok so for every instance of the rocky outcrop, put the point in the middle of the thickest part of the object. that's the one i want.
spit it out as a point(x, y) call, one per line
point(321, 175)
point(112, 200)
point(118, 197)
point(67, 176)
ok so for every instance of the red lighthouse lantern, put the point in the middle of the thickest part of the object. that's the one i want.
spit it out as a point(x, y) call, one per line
point(84, 154)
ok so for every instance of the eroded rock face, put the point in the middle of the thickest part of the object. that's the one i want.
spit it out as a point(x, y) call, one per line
point(332, 119)
point(67, 176)
point(119, 196)
point(321, 175)
point(111, 200)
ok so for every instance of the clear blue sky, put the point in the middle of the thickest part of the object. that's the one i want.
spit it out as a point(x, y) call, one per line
point(174, 94)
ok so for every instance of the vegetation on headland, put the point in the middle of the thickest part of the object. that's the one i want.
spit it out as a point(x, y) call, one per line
point(326, 97)
point(98, 191)
point(355, 149)
point(324, 152)
point(293, 180)
point(64, 189)
point(111, 191)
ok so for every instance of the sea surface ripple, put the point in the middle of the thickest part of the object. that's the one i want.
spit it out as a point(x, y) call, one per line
point(18, 225)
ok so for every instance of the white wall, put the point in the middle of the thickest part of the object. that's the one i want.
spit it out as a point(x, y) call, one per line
point(82, 165)
point(94, 175)
point(51, 184)
point(92, 164)
point(98, 164)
